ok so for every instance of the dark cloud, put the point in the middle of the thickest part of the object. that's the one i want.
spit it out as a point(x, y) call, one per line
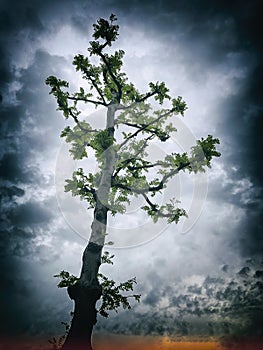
point(12, 169)
point(24, 122)
point(10, 192)
point(152, 298)
point(213, 34)
point(30, 213)
point(218, 305)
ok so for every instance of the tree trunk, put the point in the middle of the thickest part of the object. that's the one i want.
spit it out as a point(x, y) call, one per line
point(87, 291)
point(85, 296)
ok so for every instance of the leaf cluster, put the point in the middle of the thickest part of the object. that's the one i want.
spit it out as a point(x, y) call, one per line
point(113, 295)
point(66, 279)
point(83, 186)
point(202, 154)
point(101, 142)
point(57, 89)
point(80, 136)
point(169, 210)
point(104, 29)
point(107, 258)
point(57, 343)
point(117, 201)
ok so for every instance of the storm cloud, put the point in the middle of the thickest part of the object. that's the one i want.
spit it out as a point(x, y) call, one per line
point(211, 54)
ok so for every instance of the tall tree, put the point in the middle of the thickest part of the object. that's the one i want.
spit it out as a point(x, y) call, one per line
point(120, 151)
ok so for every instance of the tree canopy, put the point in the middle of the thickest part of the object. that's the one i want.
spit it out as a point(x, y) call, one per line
point(124, 168)
point(109, 87)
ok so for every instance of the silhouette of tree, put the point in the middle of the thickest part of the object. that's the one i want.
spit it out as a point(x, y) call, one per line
point(120, 151)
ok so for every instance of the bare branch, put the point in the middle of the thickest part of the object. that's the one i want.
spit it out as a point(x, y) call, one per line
point(145, 97)
point(75, 118)
point(155, 131)
point(138, 126)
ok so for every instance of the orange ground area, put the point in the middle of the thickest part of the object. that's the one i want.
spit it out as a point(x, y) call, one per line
point(138, 343)
point(152, 343)
point(163, 343)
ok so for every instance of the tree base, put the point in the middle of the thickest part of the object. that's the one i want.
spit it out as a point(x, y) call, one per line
point(85, 317)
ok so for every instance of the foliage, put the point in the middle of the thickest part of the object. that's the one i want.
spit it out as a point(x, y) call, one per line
point(82, 185)
point(112, 297)
point(66, 279)
point(58, 342)
point(112, 293)
point(139, 125)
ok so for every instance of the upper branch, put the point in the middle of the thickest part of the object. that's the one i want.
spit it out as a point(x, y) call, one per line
point(159, 90)
point(146, 166)
point(93, 82)
point(154, 207)
point(86, 100)
point(159, 187)
point(138, 100)
point(124, 163)
point(169, 210)
point(162, 135)
point(74, 116)
point(114, 78)
point(62, 98)
point(145, 126)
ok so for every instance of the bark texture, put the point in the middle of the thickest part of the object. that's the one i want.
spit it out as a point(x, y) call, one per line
point(85, 296)
point(87, 291)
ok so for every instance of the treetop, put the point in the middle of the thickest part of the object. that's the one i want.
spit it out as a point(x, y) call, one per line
point(135, 125)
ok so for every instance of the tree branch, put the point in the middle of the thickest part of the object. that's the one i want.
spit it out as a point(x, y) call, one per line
point(78, 123)
point(95, 85)
point(86, 100)
point(155, 209)
point(145, 97)
point(152, 188)
point(156, 131)
point(144, 127)
point(90, 190)
point(153, 206)
point(118, 85)
point(139, 100)
point(75, 118)
point(146, 166)
point(127, 161)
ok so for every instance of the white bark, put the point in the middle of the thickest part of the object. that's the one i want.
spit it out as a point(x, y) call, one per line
point(92, 253)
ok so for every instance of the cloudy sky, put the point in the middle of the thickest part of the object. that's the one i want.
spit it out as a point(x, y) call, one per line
point(202, 278)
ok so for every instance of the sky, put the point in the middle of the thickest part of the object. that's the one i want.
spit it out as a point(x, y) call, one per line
point(202, 278)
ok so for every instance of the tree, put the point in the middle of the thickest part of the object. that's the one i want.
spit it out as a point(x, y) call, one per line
point(120, 151)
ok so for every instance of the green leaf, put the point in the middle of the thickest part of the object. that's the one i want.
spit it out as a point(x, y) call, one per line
point(101, 141)
point(179, 105)
point(112, 298)
point(107, 258)
point(66, 279)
